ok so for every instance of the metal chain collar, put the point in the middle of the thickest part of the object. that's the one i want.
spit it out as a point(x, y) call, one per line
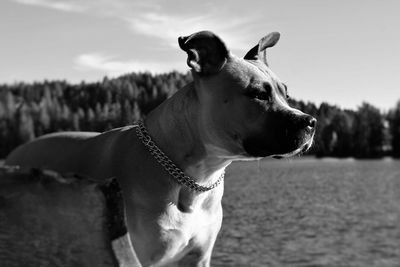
point(179, 176)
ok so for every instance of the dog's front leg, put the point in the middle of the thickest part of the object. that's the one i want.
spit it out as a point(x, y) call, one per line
point(200, 257)
point(195, 260)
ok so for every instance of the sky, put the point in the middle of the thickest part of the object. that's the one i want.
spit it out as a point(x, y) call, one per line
point(335, 51)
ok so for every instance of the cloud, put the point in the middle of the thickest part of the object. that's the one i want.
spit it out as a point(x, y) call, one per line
point(111, 66)
point(155, 18)
point(108, 8)
point(168, 27)
point(54, 4)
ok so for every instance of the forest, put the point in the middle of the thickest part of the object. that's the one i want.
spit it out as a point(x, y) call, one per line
point(28, 110)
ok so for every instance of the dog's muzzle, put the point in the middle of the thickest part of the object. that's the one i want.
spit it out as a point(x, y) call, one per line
point(282, 135)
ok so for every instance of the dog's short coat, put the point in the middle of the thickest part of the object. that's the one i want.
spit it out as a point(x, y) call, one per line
point(235, 109)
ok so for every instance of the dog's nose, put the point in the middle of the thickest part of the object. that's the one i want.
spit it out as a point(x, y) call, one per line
point(311, 122)
point(308, 122)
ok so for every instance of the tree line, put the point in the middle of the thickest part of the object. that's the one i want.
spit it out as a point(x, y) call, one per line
point(28, 110)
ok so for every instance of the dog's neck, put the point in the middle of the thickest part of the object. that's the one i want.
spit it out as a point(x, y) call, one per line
point(176, 129)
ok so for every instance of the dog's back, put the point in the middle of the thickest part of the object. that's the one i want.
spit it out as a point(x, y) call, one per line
point(53, 151)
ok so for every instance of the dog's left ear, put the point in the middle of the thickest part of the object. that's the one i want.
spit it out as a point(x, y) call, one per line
point(259, 51)
point(207, 53)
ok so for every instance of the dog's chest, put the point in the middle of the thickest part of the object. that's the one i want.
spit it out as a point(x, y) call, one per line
point(188, 233)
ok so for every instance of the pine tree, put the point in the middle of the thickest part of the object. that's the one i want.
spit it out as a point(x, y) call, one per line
point(394, 129)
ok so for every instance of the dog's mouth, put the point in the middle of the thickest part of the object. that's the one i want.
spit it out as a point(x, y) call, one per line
point(281, 135)
point(301, 150)
point(258, 147)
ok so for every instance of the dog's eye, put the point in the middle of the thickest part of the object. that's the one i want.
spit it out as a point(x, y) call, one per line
point(286, 91)
point(261, 95)
point(287, 95)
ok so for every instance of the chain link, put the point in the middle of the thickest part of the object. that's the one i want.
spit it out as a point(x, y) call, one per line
point(179, 176)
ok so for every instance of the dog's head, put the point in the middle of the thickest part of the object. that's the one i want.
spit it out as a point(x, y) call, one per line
point(244, 108)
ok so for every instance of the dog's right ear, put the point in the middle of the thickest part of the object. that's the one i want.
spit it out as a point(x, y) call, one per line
point(207, 53)
point(259, 51)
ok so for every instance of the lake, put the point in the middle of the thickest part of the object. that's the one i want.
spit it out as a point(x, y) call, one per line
point(309, 212)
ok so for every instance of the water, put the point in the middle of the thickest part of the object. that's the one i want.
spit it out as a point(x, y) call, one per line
point(311, 213)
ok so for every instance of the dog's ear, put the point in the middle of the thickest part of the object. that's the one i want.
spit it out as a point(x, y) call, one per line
point(207, 53)
point(259, 51)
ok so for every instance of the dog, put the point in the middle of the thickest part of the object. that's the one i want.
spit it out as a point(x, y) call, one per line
point(170, 166)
